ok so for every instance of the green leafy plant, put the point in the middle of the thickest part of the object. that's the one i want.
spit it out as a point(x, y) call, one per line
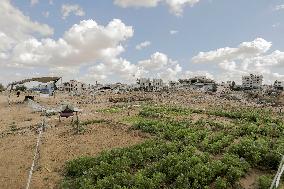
point(264, 182)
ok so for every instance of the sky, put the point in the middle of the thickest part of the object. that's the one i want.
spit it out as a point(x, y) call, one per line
point(121, 40)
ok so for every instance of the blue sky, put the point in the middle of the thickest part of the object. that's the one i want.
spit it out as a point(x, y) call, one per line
point(206, 26)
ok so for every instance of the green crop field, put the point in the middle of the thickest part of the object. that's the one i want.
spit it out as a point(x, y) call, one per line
point(215, 150)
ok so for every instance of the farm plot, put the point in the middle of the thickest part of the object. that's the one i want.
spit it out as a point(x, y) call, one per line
point(239, 148)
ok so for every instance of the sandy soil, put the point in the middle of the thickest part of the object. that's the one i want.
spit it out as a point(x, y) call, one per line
point(18, 125)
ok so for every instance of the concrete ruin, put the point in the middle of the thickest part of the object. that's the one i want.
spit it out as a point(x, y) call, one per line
point(279, 85)
point(252, 82)
point(148, 85)
point(200, 83)
point(73, 86)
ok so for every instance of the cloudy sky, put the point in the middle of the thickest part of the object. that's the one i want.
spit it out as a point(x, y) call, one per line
point(120, 40)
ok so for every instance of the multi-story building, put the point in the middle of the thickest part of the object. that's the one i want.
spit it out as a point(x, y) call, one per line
point(252, 81)
point(157, 84)
point(174, 85)
point(73, 86)
point(279, 85)
point(147, 84)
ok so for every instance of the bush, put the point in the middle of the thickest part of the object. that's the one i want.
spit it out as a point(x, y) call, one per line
point(252, 150)
point(183, 152)
point(221, 183)
point(264, 182)
point(21, 88)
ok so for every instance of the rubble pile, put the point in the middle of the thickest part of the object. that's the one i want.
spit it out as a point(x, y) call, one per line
point(129, 99)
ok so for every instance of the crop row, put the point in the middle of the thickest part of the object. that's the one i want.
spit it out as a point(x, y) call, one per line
point(185, 154)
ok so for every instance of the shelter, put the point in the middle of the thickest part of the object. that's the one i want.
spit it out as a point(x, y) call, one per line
point(38, 79)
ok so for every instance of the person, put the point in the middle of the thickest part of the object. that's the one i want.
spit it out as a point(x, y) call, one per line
point(18, 93)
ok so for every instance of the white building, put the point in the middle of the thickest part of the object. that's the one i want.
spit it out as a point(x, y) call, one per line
point(73, 86)
point(147, 84)
point(252, 81)
point(157, 84)
point(175, 85)
point(279, 85)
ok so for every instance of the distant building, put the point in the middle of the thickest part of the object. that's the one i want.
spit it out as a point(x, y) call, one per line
point(175, 85)
point(279, 85)
point(227, 84)
point(198, 83)
point(73, 86)
point(148, 85)
point(252, 81)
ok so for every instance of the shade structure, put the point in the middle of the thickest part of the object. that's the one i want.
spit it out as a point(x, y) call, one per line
point(38, 79)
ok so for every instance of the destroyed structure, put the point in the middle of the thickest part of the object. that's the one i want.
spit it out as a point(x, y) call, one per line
point(73, 86)
point(252, 82)
point(279, 85)
point(149, 85)
point(47, 87)
point(200, 83)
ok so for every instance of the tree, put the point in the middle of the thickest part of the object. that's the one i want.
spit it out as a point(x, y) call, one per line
point(21, 88)
point(233, 85)
point(1, 87)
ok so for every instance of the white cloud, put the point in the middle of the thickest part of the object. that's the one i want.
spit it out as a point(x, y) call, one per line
point(276, 25)
point(279, 7)
point(96, 48)
point(33, 2)
point(190, 74)
point(173, 32)
point(84, 44)
point(160, 66)
point(113, 70)
point(248, 57)
point(67, 9)
point(137, 3)
point(143, 45)
point(45, 14)
point(18, 26)
point(245, 50)
point(176, 7)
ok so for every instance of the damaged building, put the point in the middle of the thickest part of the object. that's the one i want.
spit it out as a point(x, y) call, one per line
point(198, 83)
point(73, 86)
point(149, 85)
point(252, 82)
point(279, 85)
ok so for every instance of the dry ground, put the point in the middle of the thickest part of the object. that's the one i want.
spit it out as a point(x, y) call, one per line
point(18, 125)
point(59, 143)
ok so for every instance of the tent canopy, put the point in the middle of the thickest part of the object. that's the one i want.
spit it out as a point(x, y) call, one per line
point(38, 79)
